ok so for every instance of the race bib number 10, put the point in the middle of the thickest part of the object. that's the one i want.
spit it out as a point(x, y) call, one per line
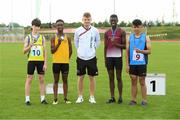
point(36, 51)
point(138, 56)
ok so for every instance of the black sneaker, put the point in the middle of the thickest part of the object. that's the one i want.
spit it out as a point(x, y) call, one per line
point(111, 100)
point(132, 103)
point(28, 103)
point(120, 100)
point(44, 102)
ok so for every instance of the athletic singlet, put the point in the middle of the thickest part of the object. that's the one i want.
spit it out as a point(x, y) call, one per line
point(62, 53)
point(139, 43)
point(37, 50)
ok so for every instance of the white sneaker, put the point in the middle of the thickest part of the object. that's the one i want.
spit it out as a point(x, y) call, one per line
point(92, 100)
point(55, 102)
point(79, 100)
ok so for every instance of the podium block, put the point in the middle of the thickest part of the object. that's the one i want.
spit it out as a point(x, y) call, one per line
point(49, 89)
point(156, 84)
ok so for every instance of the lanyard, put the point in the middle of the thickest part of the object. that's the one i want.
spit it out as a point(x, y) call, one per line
point(34, 39)
point(113, 32)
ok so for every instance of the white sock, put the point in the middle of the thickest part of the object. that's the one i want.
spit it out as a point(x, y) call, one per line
point(80, 96)
point(42, 97)
point(27, 98)
point(91, 96)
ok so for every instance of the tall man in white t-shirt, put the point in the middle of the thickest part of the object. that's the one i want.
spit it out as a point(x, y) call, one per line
point(86, 39)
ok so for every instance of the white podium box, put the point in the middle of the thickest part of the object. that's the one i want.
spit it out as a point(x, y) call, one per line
point(156, 84)
point(49, 89)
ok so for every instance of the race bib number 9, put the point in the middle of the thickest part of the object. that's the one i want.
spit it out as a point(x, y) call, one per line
point(36, 51)
point(138, 56)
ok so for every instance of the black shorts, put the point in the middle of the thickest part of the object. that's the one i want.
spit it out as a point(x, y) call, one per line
point(35, 64)
point(138, 70)
point(114, 62)
point(90, 65)
point(63, 67)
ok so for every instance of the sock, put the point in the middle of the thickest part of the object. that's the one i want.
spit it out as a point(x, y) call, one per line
point(42, 98)
point(27, 98)
point(80, 96)
point(91, 96)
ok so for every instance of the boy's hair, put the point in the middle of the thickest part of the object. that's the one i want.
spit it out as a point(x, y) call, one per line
point(137, 22)
point(36, 22)
point(59, 20)
point(87, 15)
point(114, 16)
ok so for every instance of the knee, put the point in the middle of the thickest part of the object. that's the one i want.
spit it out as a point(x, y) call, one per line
point(56, 82)
point(142, 84)
point(29, 77)
point(41, 79)
point(119, 79)
point(134, 83)
point(65, 81)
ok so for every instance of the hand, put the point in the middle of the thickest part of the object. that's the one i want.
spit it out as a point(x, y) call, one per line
point(31, 44)
point(44, 67)
point(138, 50)
point(113, 42)
point(59, 41)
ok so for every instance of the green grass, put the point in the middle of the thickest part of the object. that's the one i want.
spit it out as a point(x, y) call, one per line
point(172, 32)
point(165, 58)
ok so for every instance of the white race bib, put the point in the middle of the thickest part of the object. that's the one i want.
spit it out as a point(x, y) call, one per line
point(35, 50)
point(138, 56)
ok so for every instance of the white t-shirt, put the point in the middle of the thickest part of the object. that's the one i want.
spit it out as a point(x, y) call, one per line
point(86, 42)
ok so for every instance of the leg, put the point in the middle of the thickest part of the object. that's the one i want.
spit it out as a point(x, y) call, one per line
point(65, 85)
point(133, 87)
point(143, 88)
point(80, 85)
point(55, 85)
point(28, 85)
point(30, 72)
point(120, 83)
point(81, 71)
point(92, 85)
point(42, 86)
point(111, 82)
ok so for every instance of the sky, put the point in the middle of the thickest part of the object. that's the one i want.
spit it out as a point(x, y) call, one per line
point(23, 11)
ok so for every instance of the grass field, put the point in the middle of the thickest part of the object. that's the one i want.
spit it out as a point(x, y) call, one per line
point(165, 58)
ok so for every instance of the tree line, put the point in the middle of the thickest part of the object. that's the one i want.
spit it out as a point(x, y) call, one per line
point(98, 24)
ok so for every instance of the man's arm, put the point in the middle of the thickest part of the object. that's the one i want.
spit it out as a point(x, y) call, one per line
point(127, 54)
point(105, 48)
point(45, 54)
point(53, 46)
point(97, 39)
point(70, 46)
point(76, 39)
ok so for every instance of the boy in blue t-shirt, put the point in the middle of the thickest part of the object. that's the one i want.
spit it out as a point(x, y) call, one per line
point(137, 49)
